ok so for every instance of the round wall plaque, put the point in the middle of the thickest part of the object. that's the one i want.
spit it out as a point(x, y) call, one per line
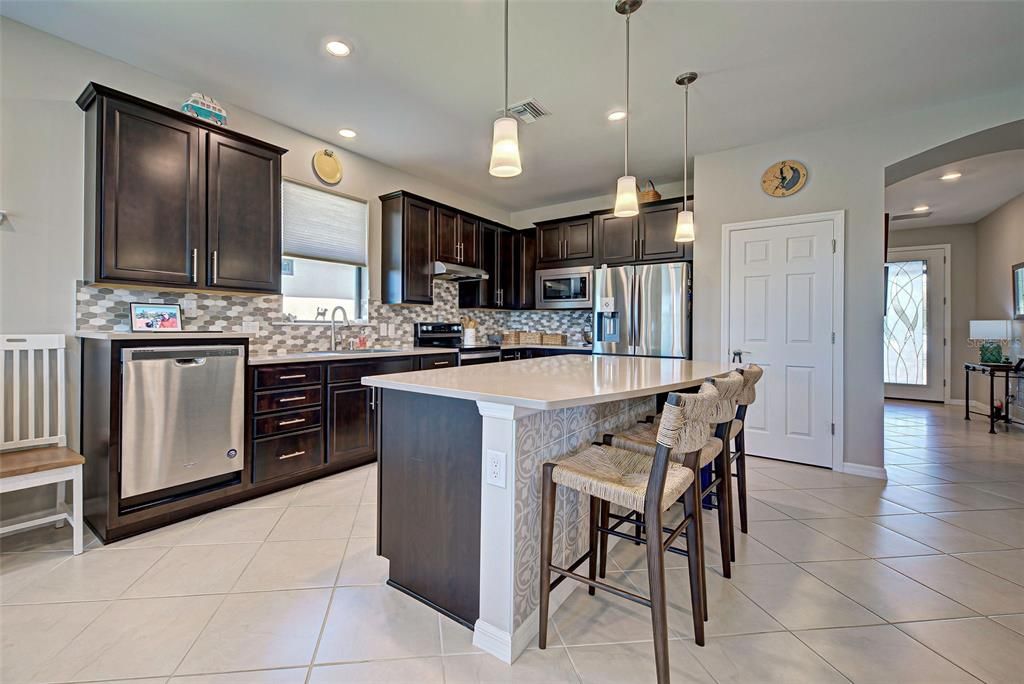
point(784, 178)
point(327, 167)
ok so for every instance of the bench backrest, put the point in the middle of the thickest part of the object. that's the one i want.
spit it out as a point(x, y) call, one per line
point(32, 400)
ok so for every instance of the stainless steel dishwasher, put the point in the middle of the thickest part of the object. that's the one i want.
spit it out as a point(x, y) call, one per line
point(182, 415)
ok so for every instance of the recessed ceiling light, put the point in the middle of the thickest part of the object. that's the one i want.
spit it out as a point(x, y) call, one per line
point(951, 176)
point(617, 115)
point(347, 133)
point(921, 207)
point(338, 49)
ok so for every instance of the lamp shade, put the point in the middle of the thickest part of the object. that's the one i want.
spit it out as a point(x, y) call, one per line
point(505, 161)
point(991, 330)
point(684, 226)
point(625, 197)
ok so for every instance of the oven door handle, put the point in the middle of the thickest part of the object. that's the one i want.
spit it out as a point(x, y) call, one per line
point(480, 355)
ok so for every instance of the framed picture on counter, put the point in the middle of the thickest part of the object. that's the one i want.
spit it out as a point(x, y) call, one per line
point(155, 317)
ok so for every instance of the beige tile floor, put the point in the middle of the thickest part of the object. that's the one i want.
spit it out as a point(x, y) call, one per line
point(841, 578)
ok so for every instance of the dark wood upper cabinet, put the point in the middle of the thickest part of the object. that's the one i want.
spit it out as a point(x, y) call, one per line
point(506, 270)
point(147, 225)
point(166, 192)
point(565, 242)
point(549, 242)
point(469, 228)
point(408, 235)
point(448, 235)
point(579, 239)
point(525, 259)
point(656, 232)
point(243, 216)
point(616, 239)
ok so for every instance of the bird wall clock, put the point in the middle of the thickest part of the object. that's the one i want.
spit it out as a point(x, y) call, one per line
point(784, 178)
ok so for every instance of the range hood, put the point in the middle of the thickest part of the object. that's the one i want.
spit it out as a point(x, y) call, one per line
point(457, 272)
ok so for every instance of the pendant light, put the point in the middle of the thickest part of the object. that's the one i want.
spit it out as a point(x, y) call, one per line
point(684, 220)
point(505, 161)
point(625, 190)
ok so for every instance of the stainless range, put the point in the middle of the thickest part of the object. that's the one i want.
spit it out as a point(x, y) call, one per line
point(449, 336)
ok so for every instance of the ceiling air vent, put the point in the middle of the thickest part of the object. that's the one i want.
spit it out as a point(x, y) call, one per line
point(527, 111)
point(904, 217)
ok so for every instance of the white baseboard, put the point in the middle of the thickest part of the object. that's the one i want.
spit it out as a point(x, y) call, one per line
point(877, 472)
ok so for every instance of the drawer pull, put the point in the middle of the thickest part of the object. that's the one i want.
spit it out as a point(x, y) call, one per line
point(441, 363)
point(288, 399)
point(292, 421)
point(284, 457)
point(293, 377)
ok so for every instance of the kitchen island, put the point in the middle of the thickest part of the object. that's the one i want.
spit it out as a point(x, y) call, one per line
point(460, 459)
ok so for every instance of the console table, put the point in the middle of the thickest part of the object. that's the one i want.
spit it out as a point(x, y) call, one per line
point(994, 371)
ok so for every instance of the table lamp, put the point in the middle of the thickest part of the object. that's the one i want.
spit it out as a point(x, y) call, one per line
point(991, 334)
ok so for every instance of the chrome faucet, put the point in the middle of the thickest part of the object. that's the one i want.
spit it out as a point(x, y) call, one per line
point(334, 323)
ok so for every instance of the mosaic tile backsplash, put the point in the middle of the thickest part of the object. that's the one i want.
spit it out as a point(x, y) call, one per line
point(106, 309)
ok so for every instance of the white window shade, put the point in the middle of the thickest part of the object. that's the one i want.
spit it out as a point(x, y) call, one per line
point(322, 225)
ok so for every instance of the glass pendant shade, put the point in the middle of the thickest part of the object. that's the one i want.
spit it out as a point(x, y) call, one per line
point(625, 197)
point(505, 161)
point(684, 226)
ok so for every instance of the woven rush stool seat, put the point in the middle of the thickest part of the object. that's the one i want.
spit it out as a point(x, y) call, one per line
point(618, 476)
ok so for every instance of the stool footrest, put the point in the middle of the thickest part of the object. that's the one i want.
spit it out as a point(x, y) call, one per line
point(565, 572)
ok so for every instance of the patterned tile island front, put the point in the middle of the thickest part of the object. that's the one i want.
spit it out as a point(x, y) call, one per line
point(529, 412)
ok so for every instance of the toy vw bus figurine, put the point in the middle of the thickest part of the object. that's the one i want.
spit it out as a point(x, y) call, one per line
point(203, 107)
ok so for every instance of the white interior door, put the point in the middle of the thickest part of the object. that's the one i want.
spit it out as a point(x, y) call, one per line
point(914, 338)
point(781, 280)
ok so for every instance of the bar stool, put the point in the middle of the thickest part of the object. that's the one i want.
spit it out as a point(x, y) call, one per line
point(751, 376)
point(638, 483)
point(640, 438)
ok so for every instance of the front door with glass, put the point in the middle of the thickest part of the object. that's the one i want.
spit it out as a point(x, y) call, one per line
point(914, 330)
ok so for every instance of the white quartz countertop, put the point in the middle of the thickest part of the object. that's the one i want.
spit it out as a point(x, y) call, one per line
point(346, 355)
point(557, 381)
point(177, 335)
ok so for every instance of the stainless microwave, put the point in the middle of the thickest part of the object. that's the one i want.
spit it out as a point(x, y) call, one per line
point(565, 288)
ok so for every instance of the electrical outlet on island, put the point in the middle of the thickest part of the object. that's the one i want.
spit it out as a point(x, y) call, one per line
point(496, 468)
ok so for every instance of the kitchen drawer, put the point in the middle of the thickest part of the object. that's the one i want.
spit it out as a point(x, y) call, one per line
point(266, 426)
point(284, 400)
point(353, 372)
point(287, 376)
point(272, 458)
point(428, 361)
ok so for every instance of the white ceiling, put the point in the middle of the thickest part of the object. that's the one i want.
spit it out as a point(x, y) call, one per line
point(423, 82)
point(988, 182)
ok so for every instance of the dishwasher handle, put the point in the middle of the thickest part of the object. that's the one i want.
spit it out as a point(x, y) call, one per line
point(190, 362)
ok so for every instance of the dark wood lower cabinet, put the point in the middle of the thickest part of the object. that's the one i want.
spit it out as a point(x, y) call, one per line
point(351, 433)
point(303, 421)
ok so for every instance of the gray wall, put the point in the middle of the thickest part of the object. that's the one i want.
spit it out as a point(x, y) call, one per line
point(960, 238)
point(846, 172)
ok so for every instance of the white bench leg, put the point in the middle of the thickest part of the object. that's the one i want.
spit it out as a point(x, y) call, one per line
point(61, 501)
point(76, 509)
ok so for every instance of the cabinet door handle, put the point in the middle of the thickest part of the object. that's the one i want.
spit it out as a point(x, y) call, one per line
point(641, 252)
point(292, 377)
point(285, 457)
point(195, 265)
point(441, 363)
point(214, 257)
point(288, 399)
point(292, 421)
point(373, 399)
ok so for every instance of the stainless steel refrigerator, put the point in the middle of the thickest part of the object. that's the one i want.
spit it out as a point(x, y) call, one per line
point(643, 310)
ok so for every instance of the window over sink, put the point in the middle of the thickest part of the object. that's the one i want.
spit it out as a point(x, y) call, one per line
point(324, 253)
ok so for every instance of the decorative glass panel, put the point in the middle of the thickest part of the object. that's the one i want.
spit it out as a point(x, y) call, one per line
point(906, 323)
